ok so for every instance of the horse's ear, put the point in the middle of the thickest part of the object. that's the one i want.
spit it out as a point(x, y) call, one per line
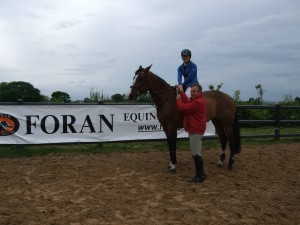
point(148, 68)
point(139, 69)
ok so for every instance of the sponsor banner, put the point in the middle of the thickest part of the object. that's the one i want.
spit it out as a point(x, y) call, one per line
point(46, 124)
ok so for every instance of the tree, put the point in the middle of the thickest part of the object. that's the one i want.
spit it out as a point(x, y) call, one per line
point(59, 96)
point(87, 100)
point(96, 96)
point(260, 93)
point(145, 98)
point(297, 99)
point(46, 98)
point(11, 92)
point(287, 98)
point(117, 98)
point(236, 97)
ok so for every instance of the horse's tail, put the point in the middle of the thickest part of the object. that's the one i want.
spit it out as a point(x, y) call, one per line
point(236, 134)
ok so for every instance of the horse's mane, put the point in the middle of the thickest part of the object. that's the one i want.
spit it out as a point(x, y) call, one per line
point(163, 82)
point(158, 77)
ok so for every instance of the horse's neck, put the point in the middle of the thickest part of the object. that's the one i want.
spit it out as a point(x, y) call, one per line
point(161, 91)
point(157, 84)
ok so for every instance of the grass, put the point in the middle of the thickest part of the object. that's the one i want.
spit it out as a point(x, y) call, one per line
point(10, 151)
point(270, 130)
point(15, 151)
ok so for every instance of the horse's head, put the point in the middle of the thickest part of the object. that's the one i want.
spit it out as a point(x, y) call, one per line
point(140, 83)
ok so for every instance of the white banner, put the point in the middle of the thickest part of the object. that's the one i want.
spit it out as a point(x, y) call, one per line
point(45, 124)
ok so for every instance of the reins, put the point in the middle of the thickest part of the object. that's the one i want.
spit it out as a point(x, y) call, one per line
point(162, 91)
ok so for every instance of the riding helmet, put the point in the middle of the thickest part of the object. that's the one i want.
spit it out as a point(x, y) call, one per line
point(186, 52)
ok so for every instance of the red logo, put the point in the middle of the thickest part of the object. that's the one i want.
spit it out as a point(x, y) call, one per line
point(8, 125)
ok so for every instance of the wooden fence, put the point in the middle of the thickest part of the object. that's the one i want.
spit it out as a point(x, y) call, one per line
point(276, 122)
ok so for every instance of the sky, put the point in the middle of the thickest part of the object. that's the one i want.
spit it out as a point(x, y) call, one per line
point(74, 46)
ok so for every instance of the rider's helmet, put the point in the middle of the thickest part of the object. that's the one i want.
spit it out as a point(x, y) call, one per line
point(186, 52)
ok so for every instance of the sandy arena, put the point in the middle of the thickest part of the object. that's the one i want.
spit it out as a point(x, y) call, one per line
point(134, 188)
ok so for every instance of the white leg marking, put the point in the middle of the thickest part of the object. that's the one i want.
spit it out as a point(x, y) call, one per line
point(172, 166)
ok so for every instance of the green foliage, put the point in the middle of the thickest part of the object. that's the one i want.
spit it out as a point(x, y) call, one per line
point(96, 96)
point(268, 114)
point(117, 98)
point(145, 98)
point(11, 92)
point(45, 98)
point(255, 114)
point(237, 96)
point(260, 93)
point(59, 96)
point(289, 114)
point(288, 98)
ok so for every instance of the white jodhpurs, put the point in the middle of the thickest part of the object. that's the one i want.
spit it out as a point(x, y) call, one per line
point(195, 144)
point(188, 92)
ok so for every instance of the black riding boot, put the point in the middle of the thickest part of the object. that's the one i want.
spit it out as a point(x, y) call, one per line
point(200, 175)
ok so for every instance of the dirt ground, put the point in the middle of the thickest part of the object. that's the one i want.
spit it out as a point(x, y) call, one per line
point(134, 188)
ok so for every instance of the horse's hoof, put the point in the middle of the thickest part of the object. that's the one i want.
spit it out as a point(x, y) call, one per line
point(222, 157)
point(220, 163)
point(230, 163)
point(172, 170)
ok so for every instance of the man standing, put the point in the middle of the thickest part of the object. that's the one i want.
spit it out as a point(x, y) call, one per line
point(188, 71)
point(194, 122)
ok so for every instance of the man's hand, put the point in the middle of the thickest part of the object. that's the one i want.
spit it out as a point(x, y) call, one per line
point(180, 88)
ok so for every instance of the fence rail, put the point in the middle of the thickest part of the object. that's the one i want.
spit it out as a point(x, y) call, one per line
point(276, 122)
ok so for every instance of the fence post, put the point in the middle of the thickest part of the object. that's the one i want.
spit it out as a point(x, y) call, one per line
point(277, 122)
point(100, 145)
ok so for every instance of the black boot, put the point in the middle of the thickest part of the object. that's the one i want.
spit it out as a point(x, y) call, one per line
point(200, 175)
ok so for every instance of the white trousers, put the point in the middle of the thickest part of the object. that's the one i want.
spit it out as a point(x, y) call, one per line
point(188, 92)
point(195, 144)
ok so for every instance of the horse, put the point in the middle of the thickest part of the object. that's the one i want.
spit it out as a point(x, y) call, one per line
point(4, 125)
point(220, 109)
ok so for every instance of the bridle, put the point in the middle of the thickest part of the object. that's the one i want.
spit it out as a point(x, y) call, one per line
point(137, 73)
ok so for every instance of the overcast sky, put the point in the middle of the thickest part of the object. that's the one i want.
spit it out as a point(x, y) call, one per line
point(75, 45)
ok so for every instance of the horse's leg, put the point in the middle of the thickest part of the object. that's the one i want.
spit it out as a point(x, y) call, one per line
point(231, 145)
point(171, 140)
point(223, 140)
point(172, 149)
point(234, 138)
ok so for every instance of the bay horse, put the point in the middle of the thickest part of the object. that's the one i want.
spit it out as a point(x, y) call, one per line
point(220, 109)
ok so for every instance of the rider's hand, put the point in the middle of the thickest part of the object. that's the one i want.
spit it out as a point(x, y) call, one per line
point(180, 88)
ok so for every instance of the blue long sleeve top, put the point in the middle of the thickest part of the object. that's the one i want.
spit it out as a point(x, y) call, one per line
point(189, 73)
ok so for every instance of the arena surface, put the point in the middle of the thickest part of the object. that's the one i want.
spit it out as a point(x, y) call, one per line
point(134, 188)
